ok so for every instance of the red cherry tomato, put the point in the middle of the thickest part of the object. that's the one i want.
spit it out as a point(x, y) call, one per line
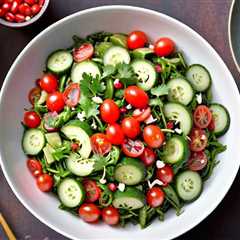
point(164, 47)
point(165, 174)
point(110, 215)
point(153, 136)
point(48, 119)
point(89, 212)
point(132, 148)
point(25, 9)
point(112, 187)
point(35, 167)
point(141, 114)
point(92, 191)
point(55, 102)
point(10, 17)
point(199, 140)
point(34, 94)
point(71, 95)
point(35, 9)
point(49, 82)
point(19, 18)
point(131, 127)
point(197, 161)
point(85, 51)
point(109, 111)
point(100, 144)
point(202, 116)
point(31, 119)
point(137, 39)
point(136, 97)
point(148, 157)
point(155, 197)
point(30, 2)
point(45, 182)
point(115, 134)
point(14, 7)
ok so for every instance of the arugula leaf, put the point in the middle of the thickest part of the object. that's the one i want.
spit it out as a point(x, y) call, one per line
point(160, 90)
point(126, 74)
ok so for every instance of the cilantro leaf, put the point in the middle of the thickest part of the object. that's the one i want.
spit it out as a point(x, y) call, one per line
point(108, 70)
point(160, 90)
point(89, 107)
point(100, 162)
point(126, 74)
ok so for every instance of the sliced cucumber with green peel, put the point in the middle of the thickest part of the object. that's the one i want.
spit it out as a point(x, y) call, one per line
point(146, 74)
point(88, 67)
point(70, 193)
point(189, 185)
point(199, 77)
point(130, 171)
point(59, 61)
point(179, 113)
point(115, 55)
point(43, 97)
point(119, 39)
point(33, 141)
point(141, 53)
point(131, 198)
point(83, 125)
point(180, 90)
point(221, 119)
point(48, 151)
point(101, 48)
point(54, 139)
point(175, 150)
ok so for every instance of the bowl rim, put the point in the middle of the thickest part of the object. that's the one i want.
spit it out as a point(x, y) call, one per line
point(228, 184)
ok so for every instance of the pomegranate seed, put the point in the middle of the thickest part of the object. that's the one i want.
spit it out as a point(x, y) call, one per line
point(6, 7)
point(8, 1)
point(117, 84)
point(158, 68)
point(170, 125)
point(123, 110)
point(137, 148)
point(19, 18)
point(112, 187)
point(74, 147)
point(41, 2)
point(2, 12)
point(35, 9)
point(14, 7)
point(10, 17)
point(25, 9)
point(30, 2)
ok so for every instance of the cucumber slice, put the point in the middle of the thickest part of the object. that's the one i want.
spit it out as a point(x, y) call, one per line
point(78, 166)
point(83, 125)
point(179, 113)
point(131, 198)
point(33, 141)
point(119, 40)
point(175, 150)
point(199, 77)
point(130, 171)
point(189, 185)
point(101, 48)
point(43, 97)
point(48, 151)
point(59, 61)
point(146, 74)
point(141, 53)
point(221, 119)
point(115, 55)
point(70, 192)
point(54, 139)
point(88, 67)
point(180, 91)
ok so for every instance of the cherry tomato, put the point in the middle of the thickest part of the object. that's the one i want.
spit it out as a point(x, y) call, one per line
point(137, 39)
point(199, 140)
point(211, 125)
point(30, 2)
point(19, 18)
point(55, 102)
point(141, 114)
point(136, 97)
point(89, 212)
point(110, 215)
point(165, 174)
point(115, 134)
point(85, 51)
point(197, 161)
point(45, 182)
point(155, 197)
point(202, 116)
point(92, 191)
point(74, 147)
point(153, 136)
point(109, 111)
point(14, 7)
point(25, 9)
point(35, 9)
point(100, 144)
point(34, 94)
point(148, 157)
point(71, 95)
point(132, 148)
point(49, 83)
point(48, 119)
point(112, 187)
point(10, 17)
point(31, 119)
point(164, 47)
point(131, 127)
point(34, 167)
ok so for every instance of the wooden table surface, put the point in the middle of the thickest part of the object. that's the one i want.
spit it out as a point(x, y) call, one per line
point(207, 17)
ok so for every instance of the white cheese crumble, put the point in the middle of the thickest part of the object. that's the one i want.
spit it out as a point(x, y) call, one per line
point(94, 125)
point(121, 187)
point(151, 46)
point(155, 182)
point(178, 130)
point(160, 164)
point(97, 100)
point(129, 106)
point(73, 108)
point(199, 98)
point(81, 116)
point(150, 119)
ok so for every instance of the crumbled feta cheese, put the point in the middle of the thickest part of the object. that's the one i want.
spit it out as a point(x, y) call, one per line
point(97, 100)
point(94, 125)
point(102, 181)
point(178, 130)
point(155, 182)
point(81, 116)
point(160, 164)
point(199, 98)
point(116, 81)
point(129, 106)
point(73, 108)
point(121, 187)
point(150, 119)
point(151, 46)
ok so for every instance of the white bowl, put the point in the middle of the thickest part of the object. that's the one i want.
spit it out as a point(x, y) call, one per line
point(29, 65)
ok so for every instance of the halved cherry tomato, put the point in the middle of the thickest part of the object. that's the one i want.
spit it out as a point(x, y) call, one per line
point(199, 140)
point(109, 111)
point(148, 157)
point(35, 167)
point(100, 144)
point(153, 136)
point(71, 95)
point(110, 215)
point(136, 97)
point(89, 212)
point(165, 174)
point(55, 102)
point(155, 197)
point(49, 83)
point(136, 39)
point(131, 127)
point(92, 190)
point(31, 119)
point(164, 47)
point(34, 94)
point(197, 161)
point(48, 119)
point(85, 51)
point(115, 134)
point(132, 148)
point(45, 182)
point(141, 114)
point(202, 116)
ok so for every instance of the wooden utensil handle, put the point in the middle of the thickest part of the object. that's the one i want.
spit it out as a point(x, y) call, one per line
point(6, 228)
